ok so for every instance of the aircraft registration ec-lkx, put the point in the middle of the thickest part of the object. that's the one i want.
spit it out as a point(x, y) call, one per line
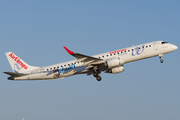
point(110, 62)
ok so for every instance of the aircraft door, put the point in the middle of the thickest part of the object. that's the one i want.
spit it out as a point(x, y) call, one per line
point(155, 46)
point(42, 72)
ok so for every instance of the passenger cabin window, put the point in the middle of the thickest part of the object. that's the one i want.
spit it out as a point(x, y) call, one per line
point(149, 45)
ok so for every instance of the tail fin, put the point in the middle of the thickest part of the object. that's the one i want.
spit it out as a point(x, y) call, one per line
point(17, 64)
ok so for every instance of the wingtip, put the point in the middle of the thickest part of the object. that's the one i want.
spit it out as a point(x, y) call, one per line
point(70, 52)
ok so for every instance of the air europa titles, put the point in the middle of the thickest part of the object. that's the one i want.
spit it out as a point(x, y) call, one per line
point(16, 59)
point(116, 51)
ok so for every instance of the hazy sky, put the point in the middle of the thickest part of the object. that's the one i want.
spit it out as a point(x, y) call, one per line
point(37, 30)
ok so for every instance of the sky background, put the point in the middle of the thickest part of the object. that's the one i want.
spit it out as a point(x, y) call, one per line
point(37, 30)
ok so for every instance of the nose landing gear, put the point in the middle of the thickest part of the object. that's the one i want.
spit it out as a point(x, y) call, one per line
point(161, 61)
point(160, 57)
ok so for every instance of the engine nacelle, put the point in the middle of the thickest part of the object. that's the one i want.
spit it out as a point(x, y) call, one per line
point(114, 62)
point(116, 70)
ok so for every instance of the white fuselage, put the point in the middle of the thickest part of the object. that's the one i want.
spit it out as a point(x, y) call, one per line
point(126, 55)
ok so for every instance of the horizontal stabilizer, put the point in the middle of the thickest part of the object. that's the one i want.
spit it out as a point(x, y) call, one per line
point(13, 74)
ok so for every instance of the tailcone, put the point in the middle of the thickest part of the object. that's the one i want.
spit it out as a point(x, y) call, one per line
point(10, 78)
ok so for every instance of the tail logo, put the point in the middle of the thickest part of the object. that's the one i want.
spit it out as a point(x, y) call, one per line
point(18, 61)
point(17, 67)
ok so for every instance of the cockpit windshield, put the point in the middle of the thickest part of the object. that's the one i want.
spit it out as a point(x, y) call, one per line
point(164, 42)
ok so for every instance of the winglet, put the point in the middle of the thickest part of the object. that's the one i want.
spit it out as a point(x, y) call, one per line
point(70, 52)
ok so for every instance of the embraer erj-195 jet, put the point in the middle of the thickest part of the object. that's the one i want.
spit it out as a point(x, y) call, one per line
point(110, 62)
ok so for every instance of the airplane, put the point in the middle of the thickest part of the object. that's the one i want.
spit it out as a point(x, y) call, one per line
point(110, 62)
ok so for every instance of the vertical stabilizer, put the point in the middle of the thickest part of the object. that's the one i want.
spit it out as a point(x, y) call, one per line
point(17, 64)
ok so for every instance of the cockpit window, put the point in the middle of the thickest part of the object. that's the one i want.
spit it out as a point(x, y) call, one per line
point(164, 42)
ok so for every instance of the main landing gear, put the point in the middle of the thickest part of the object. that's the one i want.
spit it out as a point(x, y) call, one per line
point(96, 74)
point(160, 57)
point(98, 78)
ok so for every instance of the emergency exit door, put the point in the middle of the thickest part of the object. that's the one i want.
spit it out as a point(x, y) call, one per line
point(155, 46)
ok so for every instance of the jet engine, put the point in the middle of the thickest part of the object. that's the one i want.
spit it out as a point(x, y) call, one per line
point(115, 62)
point(115, 70)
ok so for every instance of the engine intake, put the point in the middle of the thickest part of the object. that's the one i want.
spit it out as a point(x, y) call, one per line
point(115, 62)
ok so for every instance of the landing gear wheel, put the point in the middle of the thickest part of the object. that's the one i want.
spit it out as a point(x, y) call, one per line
point(161, 61)
point(95, 74)
point(98, 78)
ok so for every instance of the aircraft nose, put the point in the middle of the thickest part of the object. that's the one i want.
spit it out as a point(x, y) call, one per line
point(175, 47)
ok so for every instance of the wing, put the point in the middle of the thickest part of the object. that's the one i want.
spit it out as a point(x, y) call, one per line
point(87, 60)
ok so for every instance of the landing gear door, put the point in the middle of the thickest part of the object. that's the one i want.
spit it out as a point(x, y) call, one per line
point(155, 46)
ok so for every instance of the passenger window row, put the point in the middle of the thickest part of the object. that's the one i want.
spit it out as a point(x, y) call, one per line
point(126, 51)
point(103, 56)
point(64, 65)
